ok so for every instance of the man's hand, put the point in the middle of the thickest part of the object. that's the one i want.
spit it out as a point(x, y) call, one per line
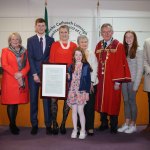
point(36, 78)
point(116, 86)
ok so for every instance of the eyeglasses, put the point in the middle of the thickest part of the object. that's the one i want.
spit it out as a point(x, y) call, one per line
point(106, 32)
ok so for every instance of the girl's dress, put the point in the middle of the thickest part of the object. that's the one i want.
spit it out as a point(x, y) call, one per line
point(74, 95)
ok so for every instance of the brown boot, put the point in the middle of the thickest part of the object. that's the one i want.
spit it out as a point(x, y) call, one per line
point(147, 129)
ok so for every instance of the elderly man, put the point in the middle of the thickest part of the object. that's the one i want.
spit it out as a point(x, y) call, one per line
point(112, 70)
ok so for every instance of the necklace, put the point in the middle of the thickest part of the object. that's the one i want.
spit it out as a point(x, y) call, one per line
point(65, 47)
point(103, 58)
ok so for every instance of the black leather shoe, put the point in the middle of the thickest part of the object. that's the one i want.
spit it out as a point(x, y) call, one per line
point(14, 129)
point(63, 129)
point(48, 130)
point(55, 128)
point(34, 130)
point(103, 127)
point(90, 132)
point(17, 128)
point(113, 131)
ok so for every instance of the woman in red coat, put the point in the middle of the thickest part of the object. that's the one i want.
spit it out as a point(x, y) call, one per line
point(14, 80)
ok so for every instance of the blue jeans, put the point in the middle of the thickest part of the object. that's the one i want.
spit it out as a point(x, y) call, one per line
point(129, 97)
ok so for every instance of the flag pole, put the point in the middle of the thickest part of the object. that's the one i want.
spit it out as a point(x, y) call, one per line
point(46, 18)
point(97, 18)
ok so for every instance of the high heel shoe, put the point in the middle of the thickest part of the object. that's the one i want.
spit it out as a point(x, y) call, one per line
point(63, 129)
point(55, 128)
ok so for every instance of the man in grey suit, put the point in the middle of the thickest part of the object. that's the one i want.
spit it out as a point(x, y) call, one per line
point(38, 52)
point(147, 76)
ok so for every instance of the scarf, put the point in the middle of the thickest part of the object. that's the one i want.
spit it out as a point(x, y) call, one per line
point(21, 61)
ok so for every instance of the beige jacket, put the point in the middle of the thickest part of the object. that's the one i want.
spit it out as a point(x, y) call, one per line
point(147, 65)
point(94, 64)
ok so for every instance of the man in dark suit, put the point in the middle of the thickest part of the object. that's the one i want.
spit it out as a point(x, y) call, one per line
point(38, 52)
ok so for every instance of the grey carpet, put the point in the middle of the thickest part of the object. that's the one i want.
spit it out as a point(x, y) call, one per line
point(100, 141)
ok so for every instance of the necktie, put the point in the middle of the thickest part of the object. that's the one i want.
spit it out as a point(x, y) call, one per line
point(105, 44)
point(41, 43)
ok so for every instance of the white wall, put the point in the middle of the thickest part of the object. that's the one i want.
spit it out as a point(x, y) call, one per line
point(19, 15)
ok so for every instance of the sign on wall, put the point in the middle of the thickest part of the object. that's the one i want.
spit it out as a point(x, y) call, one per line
point(78, 26)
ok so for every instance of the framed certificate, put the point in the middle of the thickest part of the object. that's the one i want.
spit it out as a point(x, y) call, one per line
point(53, 80)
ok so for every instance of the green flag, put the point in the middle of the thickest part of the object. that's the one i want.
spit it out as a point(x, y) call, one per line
point(46, 20)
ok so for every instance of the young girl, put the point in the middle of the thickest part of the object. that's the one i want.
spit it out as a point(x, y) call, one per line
point(79, 88)
point(135, 61)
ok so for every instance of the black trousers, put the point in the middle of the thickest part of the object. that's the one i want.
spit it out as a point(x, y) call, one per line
point(34, 92)
point(113, 120)
point(89, 111)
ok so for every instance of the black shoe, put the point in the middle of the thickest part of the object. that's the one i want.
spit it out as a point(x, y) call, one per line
point(14, 129)
point(63, 129)
point(103, 127)
point(55, 128)
point(34, 130)
point(48, 130)
point(17, 128)
point(113, 131)
point(90, 132)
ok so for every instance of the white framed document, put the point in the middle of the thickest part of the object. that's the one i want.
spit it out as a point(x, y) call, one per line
point(53, 80)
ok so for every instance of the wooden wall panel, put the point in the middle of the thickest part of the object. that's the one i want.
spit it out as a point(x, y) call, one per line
point(23, 118)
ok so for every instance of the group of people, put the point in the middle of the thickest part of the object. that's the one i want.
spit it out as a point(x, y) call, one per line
point(95, 79)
